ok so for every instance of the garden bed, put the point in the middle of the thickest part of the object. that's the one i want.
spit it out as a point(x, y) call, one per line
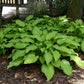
point(42, 45)
point(31, 74)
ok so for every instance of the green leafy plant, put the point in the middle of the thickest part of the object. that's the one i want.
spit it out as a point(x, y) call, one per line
point(48, 41)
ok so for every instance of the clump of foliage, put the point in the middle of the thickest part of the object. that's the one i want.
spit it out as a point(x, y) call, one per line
point(48, 41)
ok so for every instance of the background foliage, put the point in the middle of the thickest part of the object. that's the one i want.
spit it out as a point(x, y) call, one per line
point(39, 8)
point(61, 6)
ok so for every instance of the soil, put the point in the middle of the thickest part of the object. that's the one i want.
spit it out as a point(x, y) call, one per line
point(31, 74)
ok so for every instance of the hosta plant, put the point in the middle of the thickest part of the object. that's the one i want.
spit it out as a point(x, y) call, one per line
point(47, 41)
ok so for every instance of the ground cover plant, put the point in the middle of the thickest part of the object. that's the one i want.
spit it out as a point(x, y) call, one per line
point(49, 41)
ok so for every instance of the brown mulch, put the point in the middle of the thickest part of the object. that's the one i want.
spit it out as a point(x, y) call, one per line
point(31, 74)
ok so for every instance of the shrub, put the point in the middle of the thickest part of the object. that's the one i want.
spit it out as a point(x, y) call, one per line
point(48, 41)
point(61, 6)
point(37, 7)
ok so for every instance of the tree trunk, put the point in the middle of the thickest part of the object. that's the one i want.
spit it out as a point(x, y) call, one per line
point(17, 8)
point(0, 13)
point(75, 9)
point(50, 5)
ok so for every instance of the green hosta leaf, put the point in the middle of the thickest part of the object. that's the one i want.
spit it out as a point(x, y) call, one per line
point(48, 57)
point(63, 22)
point(56, 55)
point(59, 36)
point(79, 22)
point(39, 45)
point(42, 50)
point(29, 27)
point(82, 31)
point(20, 45)
point(41, 59)
point(7, 30)
point(10, 56)
point(46, 16)
point(9, 36)
point(29, 17)
point(21, 30)
point(82, 45)
point(48, 70)
point(56, 63)
point(45, 32)
point(3, 46)
point(31, 47)
point(27, 40)
point(16, 62)
point(66, 67)
point(77, 39)
point(30, 58)
point(3, 40)
point(18, 53)
point(14, 41)
point(77, 60)
point(49, 45)
point(20, 23)
point(14, 50)
point(37, 21)
point(63, 18)
point(24, 35)
point(50, 35)
point(17, 35)
point(65, 54)
point(64, 49)
point(37, 37)
point(69, 42)
point(43, 37)
point(2, 34)
point(70, 29)
point(36, 31)
point(9, 45)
